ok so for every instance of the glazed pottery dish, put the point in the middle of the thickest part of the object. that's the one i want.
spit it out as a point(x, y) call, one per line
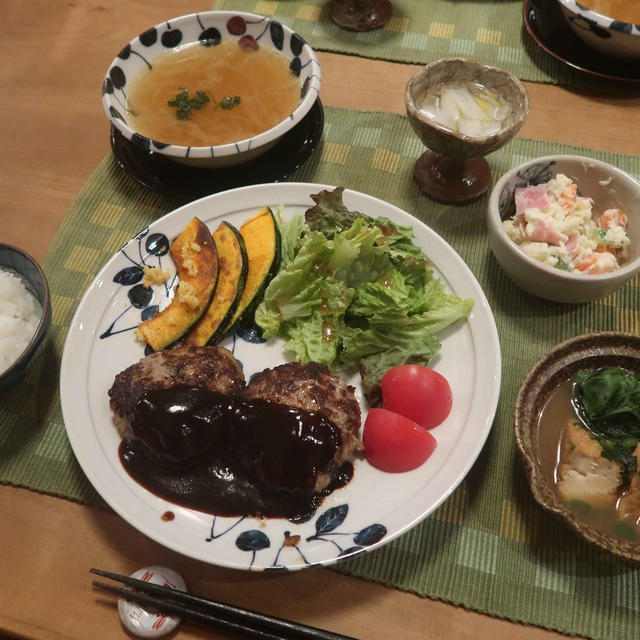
point(562, 456)
point(200, 122)
point(608, 26)
point(566, 228)
point(26, 313)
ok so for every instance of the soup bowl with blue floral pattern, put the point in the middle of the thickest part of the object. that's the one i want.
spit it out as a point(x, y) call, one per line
point(613, 38)
point(209, 29)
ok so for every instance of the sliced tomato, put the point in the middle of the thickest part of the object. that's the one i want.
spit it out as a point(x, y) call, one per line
point(418, 393)
point(395, 443)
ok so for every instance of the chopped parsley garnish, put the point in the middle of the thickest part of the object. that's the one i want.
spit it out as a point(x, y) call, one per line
point(184, 104)
point(228, 102)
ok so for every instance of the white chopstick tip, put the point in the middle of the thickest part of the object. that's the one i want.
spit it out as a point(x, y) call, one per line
point(150, 623)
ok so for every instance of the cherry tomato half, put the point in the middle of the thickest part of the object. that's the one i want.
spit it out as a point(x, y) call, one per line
point(395, 443)
point(418, 393)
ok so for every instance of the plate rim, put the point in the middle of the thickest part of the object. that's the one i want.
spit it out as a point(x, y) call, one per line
point(481, 313)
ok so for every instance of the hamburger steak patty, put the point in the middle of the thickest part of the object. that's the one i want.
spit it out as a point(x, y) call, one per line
point(312, 387)
point(210, 367)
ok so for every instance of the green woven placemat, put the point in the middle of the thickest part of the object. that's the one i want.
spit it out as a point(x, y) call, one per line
point(489, 547)
point(419, 31)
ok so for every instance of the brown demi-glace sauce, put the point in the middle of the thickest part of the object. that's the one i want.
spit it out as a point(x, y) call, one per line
point(229, 456)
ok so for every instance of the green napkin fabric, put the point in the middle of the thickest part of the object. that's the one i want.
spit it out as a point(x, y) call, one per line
point(419, 31)
point(489, 547)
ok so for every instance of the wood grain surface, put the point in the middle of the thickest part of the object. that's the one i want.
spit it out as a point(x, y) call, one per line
point(53, 134)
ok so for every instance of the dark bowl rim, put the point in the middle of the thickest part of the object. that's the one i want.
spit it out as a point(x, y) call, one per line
point(45, 317)
point(413, 111)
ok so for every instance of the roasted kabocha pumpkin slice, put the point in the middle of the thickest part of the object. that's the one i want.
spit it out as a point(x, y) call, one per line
point(262, 240)
point(232, 275)
point(196, 260)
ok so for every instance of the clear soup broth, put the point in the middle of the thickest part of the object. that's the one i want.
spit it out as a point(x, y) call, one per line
point(624, 10)
point(261, 78)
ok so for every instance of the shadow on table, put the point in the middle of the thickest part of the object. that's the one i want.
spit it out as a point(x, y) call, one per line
point(25, 407)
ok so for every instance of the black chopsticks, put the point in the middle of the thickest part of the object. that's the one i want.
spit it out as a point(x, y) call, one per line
point(224, 616)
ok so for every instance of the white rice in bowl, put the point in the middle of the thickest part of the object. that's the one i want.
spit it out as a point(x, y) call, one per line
point(20, 314)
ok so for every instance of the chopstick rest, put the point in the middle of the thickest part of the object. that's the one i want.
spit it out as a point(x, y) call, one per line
point(246, 622)
point(149, 622)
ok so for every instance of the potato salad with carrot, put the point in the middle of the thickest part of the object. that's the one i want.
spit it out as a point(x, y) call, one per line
point(555, 225)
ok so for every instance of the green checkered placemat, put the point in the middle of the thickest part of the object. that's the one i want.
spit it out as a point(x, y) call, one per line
point(488, 547)
point(419, 31)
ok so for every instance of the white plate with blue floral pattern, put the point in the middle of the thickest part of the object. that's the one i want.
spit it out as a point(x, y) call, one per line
point(371, 510)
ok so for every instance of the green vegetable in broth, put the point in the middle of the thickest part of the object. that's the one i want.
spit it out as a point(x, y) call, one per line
point(608, 403)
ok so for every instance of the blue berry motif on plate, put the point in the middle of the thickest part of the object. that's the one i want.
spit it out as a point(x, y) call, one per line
point(140, 296)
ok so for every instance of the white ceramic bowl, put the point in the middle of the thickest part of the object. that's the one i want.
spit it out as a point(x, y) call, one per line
point(210, 28)
point(604, 34)
point(608, 186)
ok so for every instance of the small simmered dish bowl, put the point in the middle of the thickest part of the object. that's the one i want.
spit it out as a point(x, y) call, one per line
point(608, 187)
point(583, 497)
point(209, 32)
point(26, 278)
point(461, 110)
point(613, 36)
point(456, 72)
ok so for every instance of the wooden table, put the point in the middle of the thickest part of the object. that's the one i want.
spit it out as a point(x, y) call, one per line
point(54, 133)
